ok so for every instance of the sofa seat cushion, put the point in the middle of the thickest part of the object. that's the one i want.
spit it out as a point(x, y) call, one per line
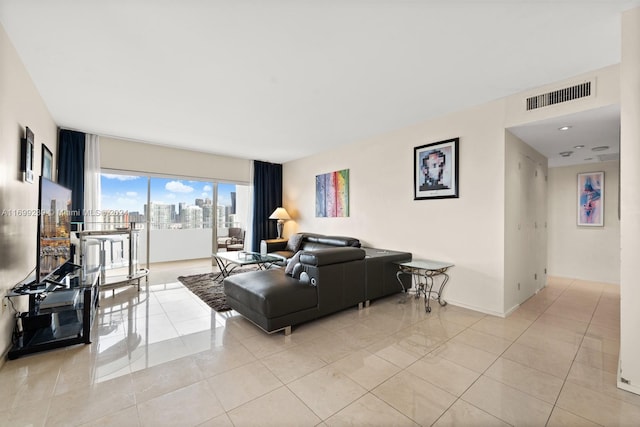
point(283, 255)
point(271, 292)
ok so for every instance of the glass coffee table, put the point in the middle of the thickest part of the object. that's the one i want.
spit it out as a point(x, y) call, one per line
point(229, 261)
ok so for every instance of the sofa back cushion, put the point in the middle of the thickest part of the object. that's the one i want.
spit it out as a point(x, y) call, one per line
point(295, 242)
point(313, 242)
point(330, 256)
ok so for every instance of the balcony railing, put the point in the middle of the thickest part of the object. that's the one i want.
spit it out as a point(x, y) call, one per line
point(170, 244)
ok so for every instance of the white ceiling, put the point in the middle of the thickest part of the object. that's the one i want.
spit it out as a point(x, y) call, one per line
point(597, 128)
point(282, 79)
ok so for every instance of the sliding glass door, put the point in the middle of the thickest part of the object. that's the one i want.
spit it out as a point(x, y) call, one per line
point(182, 218)
point(232, 211)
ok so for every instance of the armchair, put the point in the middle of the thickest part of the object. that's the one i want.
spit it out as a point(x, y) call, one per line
point(234, 241)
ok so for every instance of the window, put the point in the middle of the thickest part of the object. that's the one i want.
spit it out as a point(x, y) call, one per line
point(181, 214)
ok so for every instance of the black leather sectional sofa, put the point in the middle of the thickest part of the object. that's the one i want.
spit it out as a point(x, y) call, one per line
point(333, 273)
point(284, 249)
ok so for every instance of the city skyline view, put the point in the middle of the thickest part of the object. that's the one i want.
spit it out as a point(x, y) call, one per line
point(129, 192)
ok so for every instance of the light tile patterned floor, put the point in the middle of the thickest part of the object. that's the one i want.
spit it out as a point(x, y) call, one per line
point(162, 357)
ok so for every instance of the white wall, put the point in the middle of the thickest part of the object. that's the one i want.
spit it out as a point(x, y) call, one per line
point(605, 92)
point(588, 253)
point(135, 156)
point(630, 202)
point(156, 159)
point(467, 231)
point(525, 222)
point(174, 245)
point(20, 106)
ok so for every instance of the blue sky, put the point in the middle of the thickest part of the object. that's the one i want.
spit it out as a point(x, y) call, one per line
point(129, 192)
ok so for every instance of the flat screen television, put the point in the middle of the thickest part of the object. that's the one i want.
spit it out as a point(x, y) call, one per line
point(54, 227)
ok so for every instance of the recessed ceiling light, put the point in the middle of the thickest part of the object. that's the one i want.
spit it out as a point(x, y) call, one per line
point(565, 128)
point(566, 153)
point(600, 148)
point(577, 147)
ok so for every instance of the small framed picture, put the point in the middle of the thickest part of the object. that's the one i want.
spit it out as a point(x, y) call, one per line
point(591, 199)
point(435, 170)
point(27, 155)
point(47, 162)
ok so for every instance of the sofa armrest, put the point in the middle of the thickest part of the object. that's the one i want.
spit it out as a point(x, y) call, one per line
point(272, 245)
point(322, 257)
point(338, 274)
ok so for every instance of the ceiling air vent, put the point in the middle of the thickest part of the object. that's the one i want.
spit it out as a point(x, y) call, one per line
point(557, 96)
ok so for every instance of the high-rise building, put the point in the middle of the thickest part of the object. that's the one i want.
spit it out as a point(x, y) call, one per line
point(114, 219)
point(221, 216)
point(136, 217)
point(192, 217)
point(160, 215)
point(233, 220)
point(233, 202)
point(207, 216)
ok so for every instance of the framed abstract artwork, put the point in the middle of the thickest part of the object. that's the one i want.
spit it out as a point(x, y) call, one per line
point(591, 199)
point(332, 194)
point(435, 170)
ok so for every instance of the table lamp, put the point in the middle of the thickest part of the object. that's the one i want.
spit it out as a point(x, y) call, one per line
point(281, 215)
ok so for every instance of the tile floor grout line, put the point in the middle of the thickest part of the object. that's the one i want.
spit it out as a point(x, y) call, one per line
point(564, 382)
point(538, 315)
point(499, 356)
point(481, 374)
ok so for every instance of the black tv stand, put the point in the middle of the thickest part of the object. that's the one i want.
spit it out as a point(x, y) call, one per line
point(61, 311)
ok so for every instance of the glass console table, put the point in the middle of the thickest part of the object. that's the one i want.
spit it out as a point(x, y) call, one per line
point(428, 270)
point(115, 254)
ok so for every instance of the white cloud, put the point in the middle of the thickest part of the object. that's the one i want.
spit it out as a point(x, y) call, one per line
point(132, 194)
point(126, 201)
point(207, 188)
point(171, 196)
point(120, 177)
point(178, 187)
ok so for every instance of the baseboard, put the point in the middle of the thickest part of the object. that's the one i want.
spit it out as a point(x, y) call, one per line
point(625, 385)
point(475, 308)
point(511, 310)
point(628, 387)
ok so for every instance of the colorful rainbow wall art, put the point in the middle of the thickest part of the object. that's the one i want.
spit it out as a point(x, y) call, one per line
point(332, 194)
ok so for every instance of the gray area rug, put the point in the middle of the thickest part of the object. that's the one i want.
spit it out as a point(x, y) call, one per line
point(208, 290)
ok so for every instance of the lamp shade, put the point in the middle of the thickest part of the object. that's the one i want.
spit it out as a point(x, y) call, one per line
point(280, 213)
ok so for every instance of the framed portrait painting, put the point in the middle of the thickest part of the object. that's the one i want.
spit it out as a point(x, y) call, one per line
point(435, 170)
point(591, 199)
